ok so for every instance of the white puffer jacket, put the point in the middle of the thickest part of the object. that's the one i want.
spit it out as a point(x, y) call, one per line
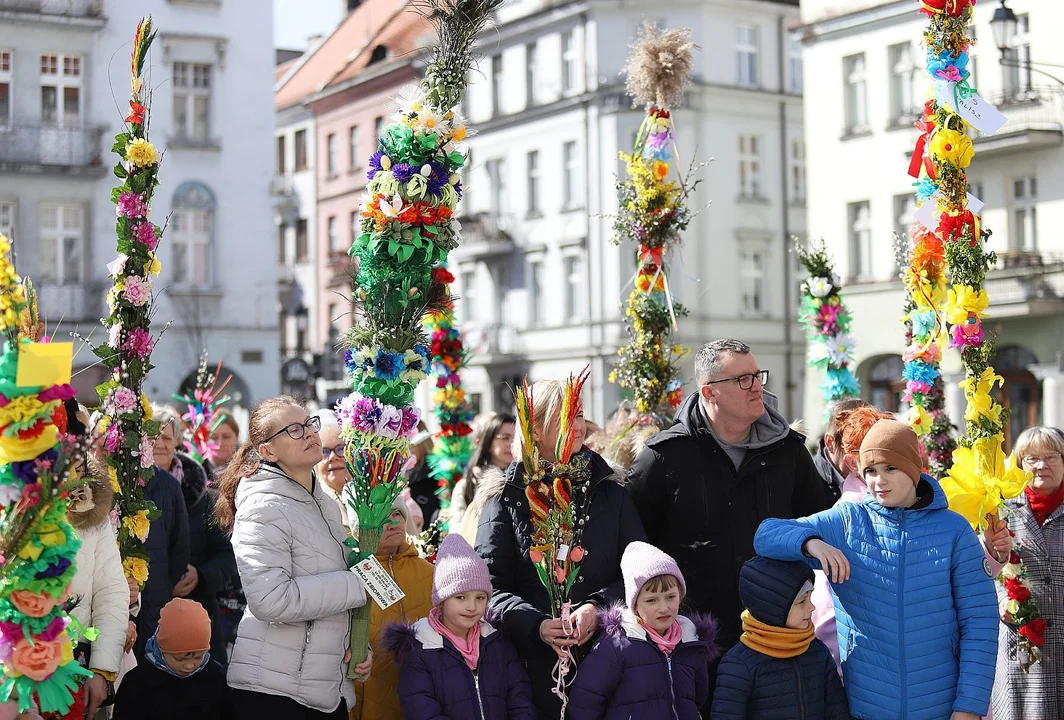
point(293, 568)
point(99, 583)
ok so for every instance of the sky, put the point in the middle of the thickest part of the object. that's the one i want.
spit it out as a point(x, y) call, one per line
point(296, 20)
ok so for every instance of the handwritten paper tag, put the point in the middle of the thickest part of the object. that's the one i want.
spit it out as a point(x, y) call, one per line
point(378, 582)
point(976, 111)
point(926, 213)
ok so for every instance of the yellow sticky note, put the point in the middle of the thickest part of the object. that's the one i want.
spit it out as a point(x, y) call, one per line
point(44, 364)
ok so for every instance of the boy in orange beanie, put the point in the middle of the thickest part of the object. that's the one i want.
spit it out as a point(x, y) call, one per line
point(178, 678)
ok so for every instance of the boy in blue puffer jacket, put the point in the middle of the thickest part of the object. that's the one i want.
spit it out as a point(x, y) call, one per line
point(916, 610)
point(650, 662)
point(779, 670)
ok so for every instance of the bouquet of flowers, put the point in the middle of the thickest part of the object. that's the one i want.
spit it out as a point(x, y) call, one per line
point(202, 417)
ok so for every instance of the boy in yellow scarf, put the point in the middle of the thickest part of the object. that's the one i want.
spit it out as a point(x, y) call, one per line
point(779, 669)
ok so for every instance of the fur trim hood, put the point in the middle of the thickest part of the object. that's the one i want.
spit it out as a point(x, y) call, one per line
point(618, 620)
point(91, 503)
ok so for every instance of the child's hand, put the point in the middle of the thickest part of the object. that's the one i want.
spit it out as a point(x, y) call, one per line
point(832, 561)
point(963, 716)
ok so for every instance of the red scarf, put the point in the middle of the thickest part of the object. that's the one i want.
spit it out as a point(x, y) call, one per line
point(469, 647)
point(1042, 506)
point(669, 641)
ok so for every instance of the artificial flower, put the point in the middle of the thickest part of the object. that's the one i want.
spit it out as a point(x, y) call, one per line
point(965, 301)
point(387, 365)
point(953, 147)
point(145, 233)
point(153, 266)
point(141, 153)
point(114, 437)
point(919, 371)
point(131, 205)
point(924, 323)
point(117, 266)
point(138, 344)
point(145, 451)
point(145, 406)
point(38, 660)
point(31, 604)
point(819, 287)
point(968, 334)
point(919, 420)
point(136, 568)
point(122, 400)
point(112, 475)
point(136, 113)
point(391, 420)
point(981, 479)
point(137, 290)
point(114, 333)
point(137, 525)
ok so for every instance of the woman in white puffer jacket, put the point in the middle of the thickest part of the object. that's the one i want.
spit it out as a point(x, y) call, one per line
point(291, 645)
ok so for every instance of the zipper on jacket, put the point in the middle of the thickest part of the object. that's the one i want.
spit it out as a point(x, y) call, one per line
point(480, 700)
point(901, 617)
point(306, 643)
point(801, 688)
point(672, 688)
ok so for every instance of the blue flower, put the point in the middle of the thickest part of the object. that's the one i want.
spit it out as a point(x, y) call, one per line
point(919, 371)
point(388, 365)
point(423, 350)
point(838, 383)
point(923, 323)
point(403, 171)
point(925, 188)
point(374, 164)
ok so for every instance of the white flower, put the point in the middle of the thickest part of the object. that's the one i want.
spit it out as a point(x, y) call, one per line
point(429, 121)
point(391, 208)
point(456, 228)
point(1010, 571)
point(840, 349)
point(113, 334)
point(117, 266)
point(411, 99)
point(819, 287)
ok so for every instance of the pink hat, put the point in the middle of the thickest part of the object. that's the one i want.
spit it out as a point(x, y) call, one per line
point(458, 570)
point(641, 562)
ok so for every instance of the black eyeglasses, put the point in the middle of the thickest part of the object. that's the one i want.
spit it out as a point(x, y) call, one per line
point(298, 431)
point(338, 451)
point(745, 381)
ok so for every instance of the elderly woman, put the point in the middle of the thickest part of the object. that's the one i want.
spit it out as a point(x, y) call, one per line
point(1037, 518)
point(332, 470)
point(210, 562)
point(610, 522)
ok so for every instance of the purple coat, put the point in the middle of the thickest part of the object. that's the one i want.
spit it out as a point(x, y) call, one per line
point(436, 684)
point(627, 676)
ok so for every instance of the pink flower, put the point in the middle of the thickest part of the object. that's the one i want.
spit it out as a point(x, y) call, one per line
point(967, 335)
point(411, 415)
point(138, 290)
point(147, 457)
point(145, 233)
point(950, 73)
point(138, 343)
point(114, 437)
point(131, 205)
point(31, 494)
point(123, 399)
point(390, 422)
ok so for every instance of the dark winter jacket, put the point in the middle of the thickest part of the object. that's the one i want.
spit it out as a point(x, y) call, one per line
point(210, 551)
point(148, 692)
point(627, 676)
point(423, 489)
point(168, 553)
point(832, 478)
point(504, 538)
point(435, 683)
point(753, 685)
point(697, 508)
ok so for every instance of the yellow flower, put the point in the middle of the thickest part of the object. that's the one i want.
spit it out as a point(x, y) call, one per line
point(964, 299)
point(136, 568)
point(458, 134)
point(145, 405)
point(140, 153)
point(153, 266)
point(51, 535)
point(137, 525)
point(919, 420)
point(112, 475)
point(1012, 607)
point(952, 146)
point(980, 402)
point(30, 551)
point(661, 170)
point(981, 479)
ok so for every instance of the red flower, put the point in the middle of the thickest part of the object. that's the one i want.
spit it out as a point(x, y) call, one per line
point(1035, 631)
point(136, 113)
point(1016, 590)
point(1014, 557)
point(442, 276)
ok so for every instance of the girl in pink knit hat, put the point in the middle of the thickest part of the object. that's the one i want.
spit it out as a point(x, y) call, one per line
point(455, 663)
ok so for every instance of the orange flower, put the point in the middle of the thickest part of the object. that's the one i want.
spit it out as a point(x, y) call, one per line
point(661, 170)
point(38, 661)
point(32, 604)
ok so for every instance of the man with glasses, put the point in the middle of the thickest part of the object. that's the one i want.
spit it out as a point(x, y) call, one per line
point(703, 486)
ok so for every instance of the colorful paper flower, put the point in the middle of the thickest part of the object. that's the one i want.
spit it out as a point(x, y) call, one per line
point(145, 233)
point(141, 153)
point(953, 147)
point(138, 344)
point(965, 301)
point(981, 479)
point(137, 290)
point(131, 205)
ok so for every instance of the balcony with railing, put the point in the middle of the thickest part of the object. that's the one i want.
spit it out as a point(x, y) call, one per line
point(52, 10)
point(1026, 284)
point(72, 303)
point(485, 236)
point(67, 150)
point(1035, 120)
point(490, 344)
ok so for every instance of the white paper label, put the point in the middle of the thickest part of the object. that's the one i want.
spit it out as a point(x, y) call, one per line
point(976, 111)
point(378, 582)
point(563, 552)
point(925, 214)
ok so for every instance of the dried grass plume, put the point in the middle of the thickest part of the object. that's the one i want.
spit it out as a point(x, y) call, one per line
point(659, 66)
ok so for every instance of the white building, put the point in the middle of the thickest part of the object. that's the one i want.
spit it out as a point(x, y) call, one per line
point(859, 137)
point(541, 285)
point(64, 85)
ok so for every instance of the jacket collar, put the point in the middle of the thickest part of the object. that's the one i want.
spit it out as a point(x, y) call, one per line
point(938, 501)
point(271, 479)
point(691, 422)
point(432, 640)
point(635, 630)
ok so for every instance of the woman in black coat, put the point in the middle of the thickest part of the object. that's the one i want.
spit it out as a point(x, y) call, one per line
point(504, 539)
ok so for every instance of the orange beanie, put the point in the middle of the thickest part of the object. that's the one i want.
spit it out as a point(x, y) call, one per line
point(184, 627)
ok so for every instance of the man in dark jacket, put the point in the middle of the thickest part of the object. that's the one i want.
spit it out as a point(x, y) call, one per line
point(168, 553)
point(703, 486)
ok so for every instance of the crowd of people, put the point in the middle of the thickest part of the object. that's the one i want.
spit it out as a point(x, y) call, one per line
point(728, 573)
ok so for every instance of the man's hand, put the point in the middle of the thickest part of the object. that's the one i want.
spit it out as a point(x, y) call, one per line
point(832, 561)
point(585, 623)
point(95, 693)
point(187, 583)
point(134, 591)
point(996, 538)
point(553, 633)
point(131, 636)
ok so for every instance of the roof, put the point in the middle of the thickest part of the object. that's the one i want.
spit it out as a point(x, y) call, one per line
point(401, 36)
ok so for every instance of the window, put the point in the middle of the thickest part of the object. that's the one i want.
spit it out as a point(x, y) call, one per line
point(282, 243)
point(354, 159)
point(280, 155)
point(859, 215)
point(902, 100)
point(193, 221)
point(535, 292)
point(6, 80)
point(886, 386)
point(1016, 61)
point(379, 53)
point(301, 149)
point(62, 234)
point(794, 64)
point(904, 214)
point(530, 74)
point(330, 155)
point(333, 233)
point(574, 283)
point(569, 170)
point(1024, 215)
point(752, 281)
point(192, 101)
point(856, 92)
point(378, 127)
point(469, 296)
point(497, 177)
point(7, 219)
point(798, 172)
point(973, 75)
point(1021, 392)
point(749, 166)
point(533, 182)
point(301, 240)
point(356, 226)
point(746, 51)
point(568, 61)
point(496, 84)
point(60, 91)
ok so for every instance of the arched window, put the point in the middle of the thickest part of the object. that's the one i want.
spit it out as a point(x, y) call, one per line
point(379, 53)
point(1022, 394)
point(885, 386)
point(191, 233)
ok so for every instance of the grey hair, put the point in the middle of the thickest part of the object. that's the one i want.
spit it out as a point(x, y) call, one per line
point(1039, 437)
point(166, 414)
point(327, 417)
point(708, 360)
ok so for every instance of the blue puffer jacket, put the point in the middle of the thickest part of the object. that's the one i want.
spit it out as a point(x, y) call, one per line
point(753, 685)
point(917, 620)
point(627, 676)
point(436, 684)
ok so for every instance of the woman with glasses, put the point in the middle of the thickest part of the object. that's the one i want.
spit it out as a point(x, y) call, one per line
point(1037, 519)
point(289, 657)
point(492, 456)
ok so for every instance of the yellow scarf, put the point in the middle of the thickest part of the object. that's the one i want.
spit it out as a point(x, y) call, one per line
point(777, 642)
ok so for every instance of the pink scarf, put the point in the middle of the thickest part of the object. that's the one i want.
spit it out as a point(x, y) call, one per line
point(669, 641)
point(469, 647)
